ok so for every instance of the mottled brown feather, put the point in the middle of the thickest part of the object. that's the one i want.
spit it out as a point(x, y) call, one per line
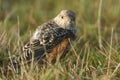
point(50, 39)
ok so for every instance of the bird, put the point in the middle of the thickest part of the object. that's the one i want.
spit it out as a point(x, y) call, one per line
point(50, 39)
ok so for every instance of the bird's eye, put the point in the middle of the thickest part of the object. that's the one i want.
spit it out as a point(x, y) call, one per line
point(62, 17)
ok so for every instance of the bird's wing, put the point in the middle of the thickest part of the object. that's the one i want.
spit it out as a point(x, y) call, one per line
point(45, 38)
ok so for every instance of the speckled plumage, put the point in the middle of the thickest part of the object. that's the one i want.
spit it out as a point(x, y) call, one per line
point(49, 36)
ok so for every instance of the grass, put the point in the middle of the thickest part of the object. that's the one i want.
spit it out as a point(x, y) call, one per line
point(95, 54)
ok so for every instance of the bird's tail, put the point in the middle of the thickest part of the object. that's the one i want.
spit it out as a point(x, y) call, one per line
point(29, 54)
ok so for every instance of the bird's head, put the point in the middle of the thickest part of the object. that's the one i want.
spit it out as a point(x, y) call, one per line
point(66, 20)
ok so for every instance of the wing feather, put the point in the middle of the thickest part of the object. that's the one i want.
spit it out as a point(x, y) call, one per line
point(45, 38)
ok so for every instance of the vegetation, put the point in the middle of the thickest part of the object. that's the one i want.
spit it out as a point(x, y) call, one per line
point(95, 54)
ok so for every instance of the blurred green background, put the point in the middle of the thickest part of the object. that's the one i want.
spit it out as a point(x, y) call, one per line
point(31, 13)
point(19, 19)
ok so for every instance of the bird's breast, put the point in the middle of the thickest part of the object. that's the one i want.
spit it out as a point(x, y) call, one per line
point(58, 50)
